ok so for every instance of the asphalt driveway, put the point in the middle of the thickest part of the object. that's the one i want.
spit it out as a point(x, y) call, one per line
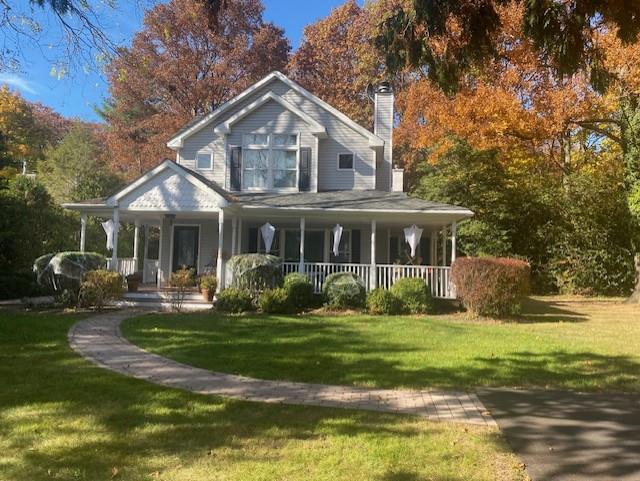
point(567, 436)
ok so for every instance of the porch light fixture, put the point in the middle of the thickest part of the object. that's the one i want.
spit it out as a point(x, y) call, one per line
point(108, 229)
point(337, 235)
point(412, 236)
point(267, 231)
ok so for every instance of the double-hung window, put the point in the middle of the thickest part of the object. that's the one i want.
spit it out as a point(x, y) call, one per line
point(270, 161)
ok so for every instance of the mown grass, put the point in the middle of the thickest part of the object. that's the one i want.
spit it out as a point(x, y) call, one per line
point(577, 344)
point(62, 418)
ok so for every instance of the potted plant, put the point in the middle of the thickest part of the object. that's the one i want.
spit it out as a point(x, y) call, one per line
point(133, 281)
point(208, 285)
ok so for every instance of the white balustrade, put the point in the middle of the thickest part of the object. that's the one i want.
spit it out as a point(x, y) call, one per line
point(126, 265)
point(436, 277)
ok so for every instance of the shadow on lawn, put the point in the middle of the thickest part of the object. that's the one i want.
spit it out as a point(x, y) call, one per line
point(535, 310)
point(323, 350)
point(110, 420)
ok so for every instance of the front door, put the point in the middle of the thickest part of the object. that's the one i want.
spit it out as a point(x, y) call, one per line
point(185, 247)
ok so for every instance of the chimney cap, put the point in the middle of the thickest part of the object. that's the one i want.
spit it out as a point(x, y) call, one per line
point(384, 88)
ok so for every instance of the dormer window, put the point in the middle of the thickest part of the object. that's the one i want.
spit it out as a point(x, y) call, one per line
point(270, 161)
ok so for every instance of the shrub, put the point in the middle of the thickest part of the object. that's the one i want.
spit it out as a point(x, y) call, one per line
point(61, 274)
point(16, 285)
point(414, 295)
point(299, 290)
point(98, 287)
point(344, 290)
point(275, 301)
point(234, 300)
point(490, 285)
point(181, 280)
point(382, 301)
point(209, 282)
point(256, 273)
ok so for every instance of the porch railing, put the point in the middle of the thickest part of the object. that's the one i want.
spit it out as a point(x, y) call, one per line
point(126, 265)
point(436, 277)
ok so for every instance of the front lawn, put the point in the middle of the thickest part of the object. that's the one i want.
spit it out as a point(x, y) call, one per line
point(62, 418)
point(573, 344)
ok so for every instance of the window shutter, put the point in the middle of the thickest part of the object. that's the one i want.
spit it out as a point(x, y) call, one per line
point(425, 244)
point(253, 240)
point(394, 248)
point(304, 181)
point(236, 168)
point(355, 246)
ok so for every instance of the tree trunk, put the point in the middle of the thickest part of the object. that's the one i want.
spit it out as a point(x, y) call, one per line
point(635, 296)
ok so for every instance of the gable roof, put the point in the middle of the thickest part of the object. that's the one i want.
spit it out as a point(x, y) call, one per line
point(198, 123)
point(196, 179)
point(317, 129)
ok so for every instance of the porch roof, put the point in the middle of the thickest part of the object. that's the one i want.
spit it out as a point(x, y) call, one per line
point(348, 201)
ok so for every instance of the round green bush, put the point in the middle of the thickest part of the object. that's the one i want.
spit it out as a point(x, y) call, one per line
point(382, 301)
point(344, 290)
point(299, 290)
point(234, 300)
point(414, 294)
point(275, 301)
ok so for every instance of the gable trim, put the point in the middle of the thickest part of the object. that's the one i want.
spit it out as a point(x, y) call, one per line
point(167, 164)
point(317, 129)
point(176, 141)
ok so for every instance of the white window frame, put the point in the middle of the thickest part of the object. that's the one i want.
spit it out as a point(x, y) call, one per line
point(205, 152)
point(353, 164)
point(270, 147)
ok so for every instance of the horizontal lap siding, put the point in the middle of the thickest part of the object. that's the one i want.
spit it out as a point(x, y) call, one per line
point(341, 138)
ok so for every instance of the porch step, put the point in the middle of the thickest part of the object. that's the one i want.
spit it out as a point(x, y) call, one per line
point(161, 295)
point(161, 305)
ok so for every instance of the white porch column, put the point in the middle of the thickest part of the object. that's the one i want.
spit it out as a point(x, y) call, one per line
point(83, 231)
point(454, 228)
point(234, 235)
point(444, 245)
point(219, 262)
point(136, 243)
point(301, 261)
point(373, 279)
point(116, 228)
point(239, 236)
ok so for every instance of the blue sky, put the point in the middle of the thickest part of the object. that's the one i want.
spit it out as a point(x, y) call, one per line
point(77, 95)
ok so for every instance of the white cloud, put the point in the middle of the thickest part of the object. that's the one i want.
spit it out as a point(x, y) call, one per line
point(18, 82)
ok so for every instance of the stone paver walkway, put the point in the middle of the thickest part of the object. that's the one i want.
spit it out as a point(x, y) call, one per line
point(99, 340)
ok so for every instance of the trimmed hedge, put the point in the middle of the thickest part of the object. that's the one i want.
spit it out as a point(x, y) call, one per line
point(382, 301)
point(344, 290)
point(414, 294)
point(299, 290)
point(491, 286)
point(98, 287)
point(256, 273)
point(234, 300)
point(275, 301)
point(16, 285)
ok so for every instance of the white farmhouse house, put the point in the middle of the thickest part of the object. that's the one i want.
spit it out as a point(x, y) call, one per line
point(278, 154)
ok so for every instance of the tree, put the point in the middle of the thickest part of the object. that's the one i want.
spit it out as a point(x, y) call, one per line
point(446, 39)
point(177, 67)
point(75, 169)
point(31, 225)
point(336, 63)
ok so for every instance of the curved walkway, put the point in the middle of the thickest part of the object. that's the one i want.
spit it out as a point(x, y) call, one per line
point(99, 340)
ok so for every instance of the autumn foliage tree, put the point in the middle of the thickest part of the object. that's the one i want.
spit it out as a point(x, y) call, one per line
point(335, 60)
point(177, 67)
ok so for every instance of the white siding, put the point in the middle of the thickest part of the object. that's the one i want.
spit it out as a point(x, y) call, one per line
point(341, 138)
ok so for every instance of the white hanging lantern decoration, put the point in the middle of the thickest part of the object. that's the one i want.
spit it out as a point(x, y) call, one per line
point(267, 231)
point(412, 236)
point(108, 227)
point(337, 235)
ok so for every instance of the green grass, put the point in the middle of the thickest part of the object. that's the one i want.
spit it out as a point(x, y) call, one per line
point(61, 418)
point(591, 345)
